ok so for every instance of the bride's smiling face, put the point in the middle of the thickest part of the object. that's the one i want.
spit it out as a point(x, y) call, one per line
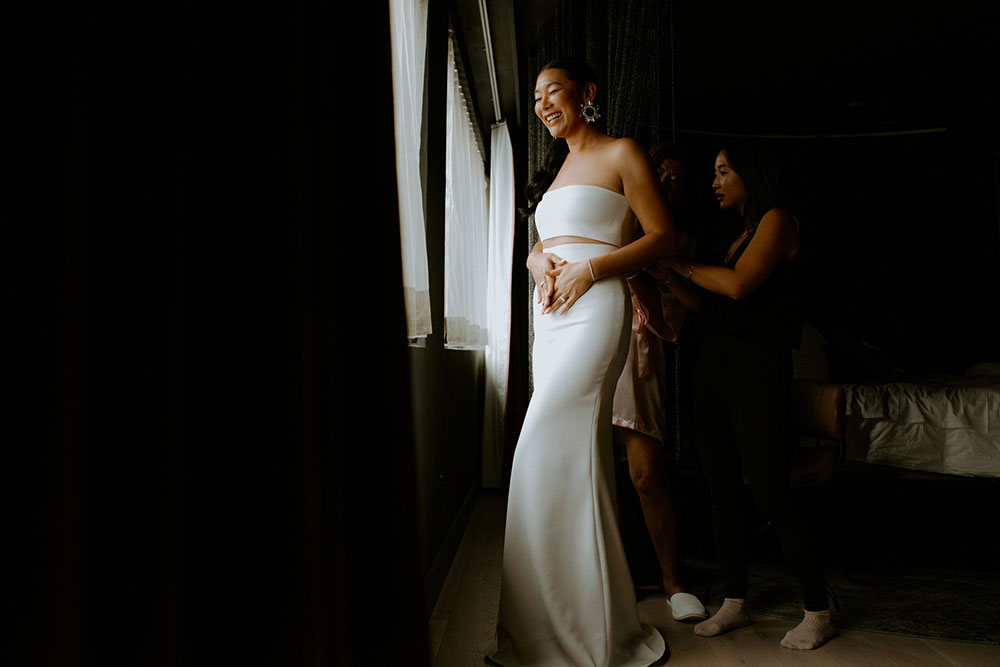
point(558, 99)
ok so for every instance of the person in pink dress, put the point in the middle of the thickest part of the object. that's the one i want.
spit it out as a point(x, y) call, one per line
point(639, 408)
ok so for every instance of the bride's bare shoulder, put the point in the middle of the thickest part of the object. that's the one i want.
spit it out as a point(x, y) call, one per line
point(625, 150)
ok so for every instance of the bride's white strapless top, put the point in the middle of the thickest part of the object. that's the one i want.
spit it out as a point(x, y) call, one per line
point(589, 211)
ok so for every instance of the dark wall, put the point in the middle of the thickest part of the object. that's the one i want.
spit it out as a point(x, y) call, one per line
point(786, 66)
point(447, 390)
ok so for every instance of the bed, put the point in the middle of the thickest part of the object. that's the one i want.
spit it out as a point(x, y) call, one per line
point(946, 424)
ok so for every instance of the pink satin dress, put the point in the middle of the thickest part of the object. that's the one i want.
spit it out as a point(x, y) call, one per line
point(639, 396)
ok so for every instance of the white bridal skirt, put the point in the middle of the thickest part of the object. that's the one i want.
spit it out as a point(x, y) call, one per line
point(567, 596)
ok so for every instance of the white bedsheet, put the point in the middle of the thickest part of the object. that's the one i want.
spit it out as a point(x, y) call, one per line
point(943, 424)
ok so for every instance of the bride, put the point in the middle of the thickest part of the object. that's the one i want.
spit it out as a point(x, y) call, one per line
point(567, 596)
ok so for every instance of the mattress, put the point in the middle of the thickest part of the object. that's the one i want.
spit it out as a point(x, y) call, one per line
point(944, 423)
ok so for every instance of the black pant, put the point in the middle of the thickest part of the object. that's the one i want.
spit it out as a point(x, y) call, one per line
point(741, 397)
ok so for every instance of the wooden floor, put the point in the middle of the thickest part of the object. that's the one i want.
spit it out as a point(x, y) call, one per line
point(464, 619)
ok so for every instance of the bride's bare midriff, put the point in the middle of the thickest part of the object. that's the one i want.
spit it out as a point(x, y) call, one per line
point(560, 240)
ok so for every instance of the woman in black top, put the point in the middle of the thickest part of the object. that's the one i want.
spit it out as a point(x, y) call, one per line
point(749, 310)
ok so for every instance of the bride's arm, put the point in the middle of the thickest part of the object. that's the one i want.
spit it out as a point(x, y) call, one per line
point(646, 200)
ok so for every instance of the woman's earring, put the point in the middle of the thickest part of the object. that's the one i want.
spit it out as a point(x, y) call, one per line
point(588, 112)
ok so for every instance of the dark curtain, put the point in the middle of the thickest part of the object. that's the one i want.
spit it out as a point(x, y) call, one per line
point(200, 476)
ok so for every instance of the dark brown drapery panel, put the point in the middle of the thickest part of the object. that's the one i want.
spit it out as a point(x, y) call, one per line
point(221, 457)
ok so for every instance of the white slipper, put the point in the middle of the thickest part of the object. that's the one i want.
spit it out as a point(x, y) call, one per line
point(686, 607)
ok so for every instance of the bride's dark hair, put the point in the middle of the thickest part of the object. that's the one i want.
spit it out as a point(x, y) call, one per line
point(581, 73)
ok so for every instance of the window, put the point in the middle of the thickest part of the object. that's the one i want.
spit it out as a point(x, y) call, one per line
point(409, 34)
point(466, 223)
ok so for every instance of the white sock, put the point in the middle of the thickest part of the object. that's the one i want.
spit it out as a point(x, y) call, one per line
point(814, 631)
point(731, 615)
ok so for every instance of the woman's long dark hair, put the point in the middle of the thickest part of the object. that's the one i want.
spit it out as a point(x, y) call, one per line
point(766, 187)
point(581, 73)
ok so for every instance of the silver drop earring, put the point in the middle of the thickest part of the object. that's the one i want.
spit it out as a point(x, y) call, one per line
point(588, 112)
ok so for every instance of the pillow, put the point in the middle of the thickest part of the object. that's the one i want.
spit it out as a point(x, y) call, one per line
point(985, 369)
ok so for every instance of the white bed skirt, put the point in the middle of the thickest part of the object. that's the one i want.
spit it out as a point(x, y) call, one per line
point(942, 424)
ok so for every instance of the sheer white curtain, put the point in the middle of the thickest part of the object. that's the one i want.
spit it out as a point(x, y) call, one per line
point(501, 257)
point(465, 224)
point(409, 37)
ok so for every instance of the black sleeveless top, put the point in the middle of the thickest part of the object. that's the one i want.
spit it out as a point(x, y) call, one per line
point(771, 315)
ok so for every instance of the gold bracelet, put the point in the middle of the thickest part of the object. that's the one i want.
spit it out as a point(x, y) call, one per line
point(691, 271)
point(591, 266)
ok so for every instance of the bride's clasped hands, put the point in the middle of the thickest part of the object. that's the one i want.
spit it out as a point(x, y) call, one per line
point(558, 283)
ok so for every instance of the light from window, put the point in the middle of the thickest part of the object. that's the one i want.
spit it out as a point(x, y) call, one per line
point(466, 223)
point(409, 37)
